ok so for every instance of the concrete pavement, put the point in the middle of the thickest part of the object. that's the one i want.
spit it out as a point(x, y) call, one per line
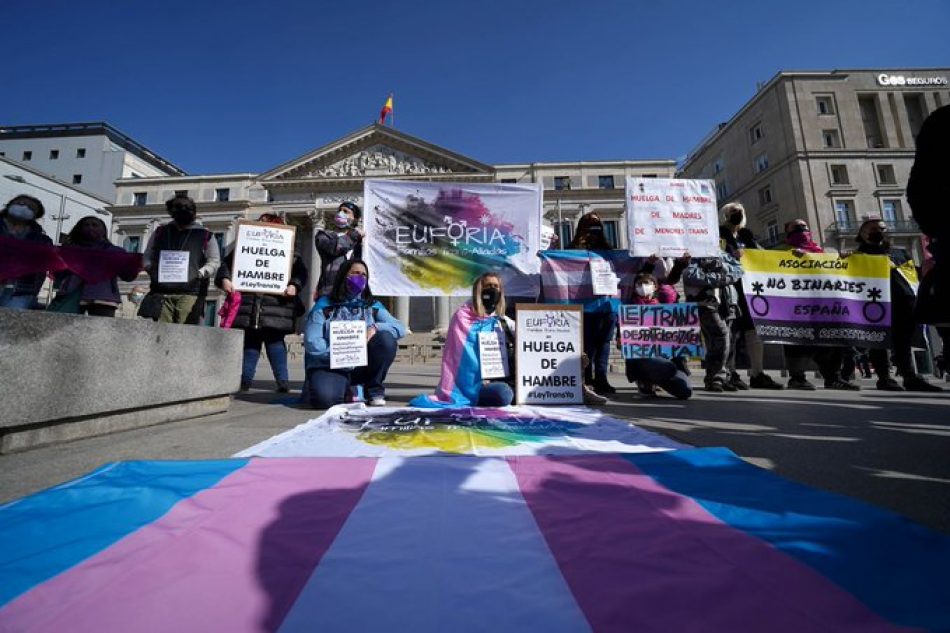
point(889, 449)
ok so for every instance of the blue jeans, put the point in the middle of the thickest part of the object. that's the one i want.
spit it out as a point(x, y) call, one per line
point(495, 394)
point(599, 330)
point(660, 372)
point(328, 387)
point(15, 302)
point(273, 342)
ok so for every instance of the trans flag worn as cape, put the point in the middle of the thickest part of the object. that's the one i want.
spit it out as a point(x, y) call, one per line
point(461, 372)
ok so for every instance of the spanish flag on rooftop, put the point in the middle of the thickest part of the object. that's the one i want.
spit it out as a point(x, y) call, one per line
point(387, 110)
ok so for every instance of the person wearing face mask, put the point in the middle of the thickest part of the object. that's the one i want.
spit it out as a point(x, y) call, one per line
point(600, 313)
point(649, 373)
point(266, 318)
point(872, 240)
point(343, 240)
point(18, 220)
point(461, 383)
point(350, 299)
point(736, 238)
point(798, 239)
point(181, 258)
point(91, 285)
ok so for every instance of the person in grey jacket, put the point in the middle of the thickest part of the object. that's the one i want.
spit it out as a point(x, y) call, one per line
point(338, 244)
point(709, 281)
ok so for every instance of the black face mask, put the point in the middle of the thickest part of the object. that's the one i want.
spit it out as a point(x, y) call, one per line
point(735, 219)
point(183, 218)
point(876, 237)
point(490, 297)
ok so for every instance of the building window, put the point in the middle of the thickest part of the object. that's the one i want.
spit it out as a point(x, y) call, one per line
point(648, 175)
point(219, 238)
point(831, 138)
point(718, 166)
point(885, 175)
point(755, 133)
point(605, 182)
point(916, 112)
point(54, 154)
point(81, 152)
point(3, 153)
point(181, 193)
point(871, 121)
point(825, 105)
point(610, 233)
point(844, 215)
point(139, 198)
point(27, 155)
point(222, 195)
point(891, 211)
point(132, 244)
point(722, 191)
point(77, 179)
point(771, 229)
point(508, 181)
point(839, 175)
point(765, 195)
point(562, 183)
point(761, 163)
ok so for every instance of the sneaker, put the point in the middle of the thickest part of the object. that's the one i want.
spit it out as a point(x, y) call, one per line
point(590, 397)
point(919, 384)
point(716, 385)
point(245, 385)
point(377, 401)
point(841, 385)
point(283, 386)
point(800, 383)
point(736, 381)
point(764, 381)
point(888, 384)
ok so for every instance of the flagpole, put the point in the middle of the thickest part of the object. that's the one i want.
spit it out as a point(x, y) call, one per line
point(392, 113)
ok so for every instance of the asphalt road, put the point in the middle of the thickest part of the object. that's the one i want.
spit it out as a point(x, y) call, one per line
point(889, 449)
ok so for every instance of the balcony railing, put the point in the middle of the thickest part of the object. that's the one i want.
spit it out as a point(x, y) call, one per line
point(893, 226)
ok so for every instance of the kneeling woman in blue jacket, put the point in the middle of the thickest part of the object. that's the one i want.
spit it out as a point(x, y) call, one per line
point(350, 300)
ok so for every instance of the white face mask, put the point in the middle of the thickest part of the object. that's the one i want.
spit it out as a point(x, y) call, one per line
point(342, 220)
point(137, 297)
point(21, 212)
point(645, 290)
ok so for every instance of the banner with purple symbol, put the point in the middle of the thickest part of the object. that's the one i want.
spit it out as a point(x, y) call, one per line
point(662, 330)
point(818, 299)
point(437, 238)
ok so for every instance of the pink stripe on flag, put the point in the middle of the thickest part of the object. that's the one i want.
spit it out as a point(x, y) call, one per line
point(639, 557)
point(231, 558)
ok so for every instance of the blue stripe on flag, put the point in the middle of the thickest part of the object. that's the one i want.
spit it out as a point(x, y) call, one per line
point(45, 534)
point(896, 567)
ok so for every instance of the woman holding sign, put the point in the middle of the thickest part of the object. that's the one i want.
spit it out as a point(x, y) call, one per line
point(350, 341)
point(600, 314)
point(476, 359)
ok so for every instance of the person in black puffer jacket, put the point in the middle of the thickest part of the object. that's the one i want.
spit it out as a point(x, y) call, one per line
point(266, 319)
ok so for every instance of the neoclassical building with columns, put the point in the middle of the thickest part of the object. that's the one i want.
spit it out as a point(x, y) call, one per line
point(307, 190)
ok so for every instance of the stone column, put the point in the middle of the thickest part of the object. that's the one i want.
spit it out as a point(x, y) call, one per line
point(443, 313)
point(401, 307)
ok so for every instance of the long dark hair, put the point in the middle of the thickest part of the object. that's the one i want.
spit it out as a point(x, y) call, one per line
point(75, 235)
point(339, 295)
point(583, 238)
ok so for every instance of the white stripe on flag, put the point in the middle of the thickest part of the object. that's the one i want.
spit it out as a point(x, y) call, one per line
point(441, 543)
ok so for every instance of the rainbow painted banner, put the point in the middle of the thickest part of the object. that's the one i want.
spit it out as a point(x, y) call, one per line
point(818, 299)
point(356, 431)
point(686, 540)
point(436, 238)
point(660, 330)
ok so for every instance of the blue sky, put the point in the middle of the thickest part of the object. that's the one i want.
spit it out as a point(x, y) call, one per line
point(244, 86)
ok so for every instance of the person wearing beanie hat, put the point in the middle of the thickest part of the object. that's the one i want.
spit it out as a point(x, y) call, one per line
point(342, 240)
point(872, 240)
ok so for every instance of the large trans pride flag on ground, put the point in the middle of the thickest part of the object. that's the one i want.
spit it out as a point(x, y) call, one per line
point(681, 540)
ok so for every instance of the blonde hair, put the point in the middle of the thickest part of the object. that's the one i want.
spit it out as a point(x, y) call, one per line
point(477, 295)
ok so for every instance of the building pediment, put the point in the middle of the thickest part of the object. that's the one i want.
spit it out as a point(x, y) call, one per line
point(373, 152)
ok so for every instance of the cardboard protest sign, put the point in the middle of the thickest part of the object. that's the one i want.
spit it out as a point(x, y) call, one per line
point(818, 299)
point(663, 330)
point(548, 357)
point(671, 216)
point(263, 256)
point(435, 238)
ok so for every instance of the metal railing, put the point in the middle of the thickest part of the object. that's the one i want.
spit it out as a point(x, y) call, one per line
point(894, 226)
